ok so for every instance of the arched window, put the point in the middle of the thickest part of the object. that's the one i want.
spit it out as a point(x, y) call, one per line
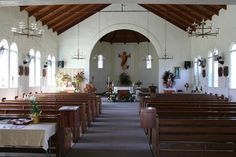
point(100, 61)
point(215, 70)
point(233, 67)
point(32, 68)
point(197, 71)
point(4, 60)
point(210, 69)
point(149, 62)
point(13, 65)
point(53, 71)
point(49, 70)
point(37, 69)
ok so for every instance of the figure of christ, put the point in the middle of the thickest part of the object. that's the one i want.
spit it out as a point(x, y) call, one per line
point(124, 58)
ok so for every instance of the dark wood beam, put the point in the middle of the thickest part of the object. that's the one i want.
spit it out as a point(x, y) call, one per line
point(67, 15)
point(173, 15)
point(162, 15)
point(210, 9)
point(86, 15)
point(113, 37)
point(186, 10)
point(47, 11)
point(23, 7)
point(196, 10)
point(57, 14)
point(76, 15)
point(136, 37)
point(182, 14)
point(35, 10)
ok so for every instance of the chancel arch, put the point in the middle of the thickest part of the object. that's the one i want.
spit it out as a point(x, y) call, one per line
point(136, 67)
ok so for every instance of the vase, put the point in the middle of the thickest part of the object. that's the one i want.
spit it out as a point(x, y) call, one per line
point(36, 119)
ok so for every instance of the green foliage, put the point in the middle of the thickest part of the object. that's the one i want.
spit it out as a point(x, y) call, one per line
point(36, 111)
point(125, 79)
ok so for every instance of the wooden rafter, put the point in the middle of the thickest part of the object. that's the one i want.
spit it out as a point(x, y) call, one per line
point(163, 15)
point(81, 18)
point(62, 17)
point(46, 11)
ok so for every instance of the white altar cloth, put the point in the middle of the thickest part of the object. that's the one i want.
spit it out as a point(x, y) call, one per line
point(131, 89)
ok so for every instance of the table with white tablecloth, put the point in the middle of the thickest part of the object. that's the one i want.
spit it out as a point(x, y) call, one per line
point(32, 135)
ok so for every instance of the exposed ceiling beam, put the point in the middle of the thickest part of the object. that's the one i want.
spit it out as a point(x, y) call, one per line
point(66, 15)
point(57, 14)
point(71, 24)
point(50, 2)
point(162, 15)
point(46, 11)
point(172, 14)
point(73, 17)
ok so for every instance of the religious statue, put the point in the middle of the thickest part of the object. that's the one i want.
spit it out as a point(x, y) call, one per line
point(124, 58)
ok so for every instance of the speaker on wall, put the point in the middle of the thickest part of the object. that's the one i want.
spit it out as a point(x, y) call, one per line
point(60, 64)
point(187, 64)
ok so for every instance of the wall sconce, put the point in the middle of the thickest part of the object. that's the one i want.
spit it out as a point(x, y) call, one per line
point(47, 63)
point(28, 58)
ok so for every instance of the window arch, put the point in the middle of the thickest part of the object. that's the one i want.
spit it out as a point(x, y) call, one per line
point(32, 68)
point(49, 70)
point(13, 65)
point(100, 61)
point(215, 69)
point(37, 68)
point(233, 67)
point(210, 69)
point(197, 71)
point(4, 60)
point(53, 71)
point(149, 62)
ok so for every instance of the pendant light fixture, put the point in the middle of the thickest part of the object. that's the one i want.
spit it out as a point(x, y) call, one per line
point(78, 55)
point(165, 55)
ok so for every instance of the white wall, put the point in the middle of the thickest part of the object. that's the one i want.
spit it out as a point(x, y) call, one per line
point(178, 43)
point(112, 68)
point(227, 35)
point(48, 44)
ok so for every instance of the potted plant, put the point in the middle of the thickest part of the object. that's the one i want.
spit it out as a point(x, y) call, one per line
point(35, 112)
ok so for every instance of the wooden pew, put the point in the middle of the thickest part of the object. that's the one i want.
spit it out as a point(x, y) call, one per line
point(194, 137)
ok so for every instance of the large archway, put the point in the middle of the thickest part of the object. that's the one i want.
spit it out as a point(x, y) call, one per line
point(109, 47)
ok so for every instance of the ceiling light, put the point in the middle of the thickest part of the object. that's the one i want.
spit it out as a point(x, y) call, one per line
point(27, 29)
point(202, 30)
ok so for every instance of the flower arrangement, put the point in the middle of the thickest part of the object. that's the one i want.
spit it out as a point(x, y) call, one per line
point(79, 77)
point(168, 79)
point(62, 79)
point(125, 79)
point(89, 88)
point(36, 111)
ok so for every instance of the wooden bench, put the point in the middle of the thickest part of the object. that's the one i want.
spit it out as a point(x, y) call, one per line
point(194, 137)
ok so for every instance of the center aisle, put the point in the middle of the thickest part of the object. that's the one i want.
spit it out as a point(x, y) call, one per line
point(115, 133)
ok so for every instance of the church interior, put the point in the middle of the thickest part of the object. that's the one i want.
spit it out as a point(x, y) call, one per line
point(113, 78)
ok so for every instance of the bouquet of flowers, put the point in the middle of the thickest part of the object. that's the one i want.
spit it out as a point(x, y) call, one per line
point(79, 77)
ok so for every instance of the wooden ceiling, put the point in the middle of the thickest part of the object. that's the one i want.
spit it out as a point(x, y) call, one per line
point(62, 17)
point(183, 16)
point(124, 36)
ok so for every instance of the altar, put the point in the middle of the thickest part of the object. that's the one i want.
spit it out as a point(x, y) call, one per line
point(124, 88)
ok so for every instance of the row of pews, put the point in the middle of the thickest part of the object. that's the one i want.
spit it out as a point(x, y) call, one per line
point(189, 125)
point(70, 124)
